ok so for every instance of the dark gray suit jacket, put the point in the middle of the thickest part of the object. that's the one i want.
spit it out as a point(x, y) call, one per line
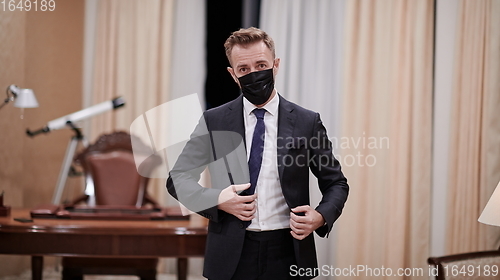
point(302, 145)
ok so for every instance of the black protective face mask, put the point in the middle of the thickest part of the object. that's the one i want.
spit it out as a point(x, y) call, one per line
point(257, 86)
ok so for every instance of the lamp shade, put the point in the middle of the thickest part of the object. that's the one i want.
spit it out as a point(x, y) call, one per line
point(491, 213)
point(26, 99)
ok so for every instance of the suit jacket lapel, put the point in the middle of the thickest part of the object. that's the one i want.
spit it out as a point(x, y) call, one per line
point(286, 123)
point(235, 123)
point(234, 117)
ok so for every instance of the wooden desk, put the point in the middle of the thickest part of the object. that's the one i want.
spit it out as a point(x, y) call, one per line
point(116, 239)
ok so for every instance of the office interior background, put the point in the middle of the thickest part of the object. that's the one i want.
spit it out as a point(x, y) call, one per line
point(409, 92)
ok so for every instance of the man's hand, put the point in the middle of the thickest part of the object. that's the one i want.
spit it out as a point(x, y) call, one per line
point(308, 221)
point(243, 207)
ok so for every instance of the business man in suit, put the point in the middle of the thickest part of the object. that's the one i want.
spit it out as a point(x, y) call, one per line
point(261, 223)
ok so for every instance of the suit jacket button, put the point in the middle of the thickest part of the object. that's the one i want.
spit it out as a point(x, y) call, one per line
point(241, 225)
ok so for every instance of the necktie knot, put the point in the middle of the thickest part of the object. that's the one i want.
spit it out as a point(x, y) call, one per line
point(259, 113)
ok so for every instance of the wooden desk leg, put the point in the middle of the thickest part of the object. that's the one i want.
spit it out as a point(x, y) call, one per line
point(182, 267)
point(36, 267)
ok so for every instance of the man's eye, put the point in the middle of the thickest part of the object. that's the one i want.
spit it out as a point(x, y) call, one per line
point(243, 70)
point(262, 66)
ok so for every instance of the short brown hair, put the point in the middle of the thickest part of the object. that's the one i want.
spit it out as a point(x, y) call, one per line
point(247, 36)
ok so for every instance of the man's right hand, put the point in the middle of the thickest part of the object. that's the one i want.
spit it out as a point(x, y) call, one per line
point(242, 207)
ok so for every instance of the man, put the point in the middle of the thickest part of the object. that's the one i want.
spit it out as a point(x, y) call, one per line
point(260, 220)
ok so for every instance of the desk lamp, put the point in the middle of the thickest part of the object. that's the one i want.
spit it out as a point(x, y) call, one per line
point(491, 212)
point(24, 97)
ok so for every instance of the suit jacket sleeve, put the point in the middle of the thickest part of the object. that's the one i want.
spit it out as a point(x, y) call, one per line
point(332, 183)
point(182, 182)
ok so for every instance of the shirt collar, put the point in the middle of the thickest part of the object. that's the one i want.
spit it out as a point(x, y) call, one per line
point(271, 107)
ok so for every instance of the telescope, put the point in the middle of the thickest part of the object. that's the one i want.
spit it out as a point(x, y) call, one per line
point(69, 121)
point(91, 111)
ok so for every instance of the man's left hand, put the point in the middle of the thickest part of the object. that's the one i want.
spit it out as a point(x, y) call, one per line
point(308, 221)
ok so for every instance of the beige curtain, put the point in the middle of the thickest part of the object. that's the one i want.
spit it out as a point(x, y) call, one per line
point(386, 143)
point(132, 60)
point(145, 51)
point(475, 131)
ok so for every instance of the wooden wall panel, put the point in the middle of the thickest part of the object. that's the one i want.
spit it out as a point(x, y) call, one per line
point(42, 51)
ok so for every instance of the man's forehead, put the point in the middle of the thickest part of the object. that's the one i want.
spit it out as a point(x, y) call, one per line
point(255, 52)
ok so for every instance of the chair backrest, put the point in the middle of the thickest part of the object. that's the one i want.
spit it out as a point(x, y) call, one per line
point(110, 163)
point(476, 266)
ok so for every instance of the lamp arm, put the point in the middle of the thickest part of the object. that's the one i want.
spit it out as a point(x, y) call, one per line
point(4, 103)
point(10, 97)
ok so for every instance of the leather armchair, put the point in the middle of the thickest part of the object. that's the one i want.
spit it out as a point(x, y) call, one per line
point(110, 164)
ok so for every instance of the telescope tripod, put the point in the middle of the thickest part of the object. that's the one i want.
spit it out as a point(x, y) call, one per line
point(68, 159)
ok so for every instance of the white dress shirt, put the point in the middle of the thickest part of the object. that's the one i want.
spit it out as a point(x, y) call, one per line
point(272, 211)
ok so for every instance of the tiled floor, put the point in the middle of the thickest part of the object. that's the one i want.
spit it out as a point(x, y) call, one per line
point(51, 274)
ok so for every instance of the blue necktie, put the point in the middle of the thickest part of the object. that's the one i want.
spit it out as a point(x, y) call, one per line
point(257, 149)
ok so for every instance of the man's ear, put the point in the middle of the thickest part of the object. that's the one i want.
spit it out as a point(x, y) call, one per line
point(231, 71)
point(276, 66)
